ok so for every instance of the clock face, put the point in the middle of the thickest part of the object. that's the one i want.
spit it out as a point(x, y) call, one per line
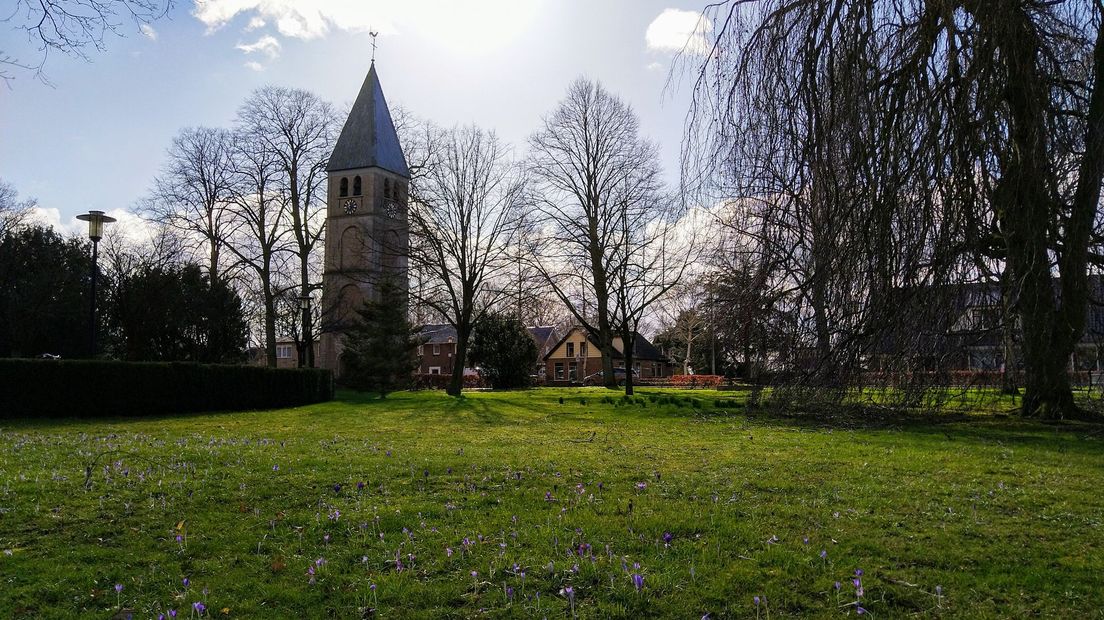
point(350, 206)
point(391, 209)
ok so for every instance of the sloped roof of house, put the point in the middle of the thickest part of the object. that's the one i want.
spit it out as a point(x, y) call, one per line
point(438, 333)
point(541, 333)
point(936, 319)
point(643, 349)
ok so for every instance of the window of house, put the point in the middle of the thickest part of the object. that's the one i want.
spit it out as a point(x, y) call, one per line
point(582, 349)
point(436, 349)
point(387, 188)
point(283, 351)
point(571, 349)
point(344, 186)
point(356, 186)
point(559, 371)
point(434, 370)
point(573, 371)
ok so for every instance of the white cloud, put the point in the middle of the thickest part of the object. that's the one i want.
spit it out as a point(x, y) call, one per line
point(148, 32)
point(267, 45)
point(255, 66)
point(655, 66)
point(675, 30)
point(300, 19)
point(129, 225)
point(475, 27)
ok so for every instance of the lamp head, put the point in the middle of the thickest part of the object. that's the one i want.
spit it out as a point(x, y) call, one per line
point(96, 221)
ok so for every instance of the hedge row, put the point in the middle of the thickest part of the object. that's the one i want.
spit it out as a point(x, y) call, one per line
point(90, 389)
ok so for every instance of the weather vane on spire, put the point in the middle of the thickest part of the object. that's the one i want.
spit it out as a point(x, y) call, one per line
point(373, 34)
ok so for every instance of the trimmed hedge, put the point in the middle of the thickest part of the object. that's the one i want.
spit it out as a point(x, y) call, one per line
point(92, 389)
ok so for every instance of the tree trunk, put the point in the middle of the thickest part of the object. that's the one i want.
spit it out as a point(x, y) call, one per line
point(629, 344)
point(456, 383)
point(1050, 330)
point(1009, 384)
point(270, 324)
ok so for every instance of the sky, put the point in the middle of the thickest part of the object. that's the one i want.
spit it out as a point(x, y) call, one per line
point(96, 136)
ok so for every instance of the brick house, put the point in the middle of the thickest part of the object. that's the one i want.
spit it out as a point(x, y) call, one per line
point(576, 356)
point(438, 349)
point(287, 353)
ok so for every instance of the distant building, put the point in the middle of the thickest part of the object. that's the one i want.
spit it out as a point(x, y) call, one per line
point(287, 354)
point(962, 328)
point(577, 356)
point(438, 348)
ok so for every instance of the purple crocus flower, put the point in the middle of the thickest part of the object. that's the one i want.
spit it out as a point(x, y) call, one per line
point(199, 607)
point(118, 588)
point(172, 613)
point(858, 572)
point(824, 554)
point(187, 582)
point(638, 581)
point(667, 537)
point(337, 488)
point(860, 611)
point(756, 601)
point(360, 485)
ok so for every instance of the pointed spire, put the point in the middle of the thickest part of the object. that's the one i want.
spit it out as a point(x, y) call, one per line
point(369, 138)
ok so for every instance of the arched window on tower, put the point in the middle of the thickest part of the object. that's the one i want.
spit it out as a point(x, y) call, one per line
point(356, 185)
point(344, 186)
point(387, 189)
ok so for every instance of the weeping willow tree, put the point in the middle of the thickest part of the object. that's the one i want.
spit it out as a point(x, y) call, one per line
point(884, 156)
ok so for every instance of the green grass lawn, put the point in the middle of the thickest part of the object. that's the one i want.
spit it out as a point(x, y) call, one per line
point(495, 504)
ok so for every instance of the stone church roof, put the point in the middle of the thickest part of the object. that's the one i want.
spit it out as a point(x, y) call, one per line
point(369, 138)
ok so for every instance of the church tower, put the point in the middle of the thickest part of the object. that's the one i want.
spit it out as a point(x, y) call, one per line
point(366, 225)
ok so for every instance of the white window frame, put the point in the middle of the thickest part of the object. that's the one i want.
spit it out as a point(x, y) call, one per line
point(283, 351)
point(434, 370)
point(436, 349)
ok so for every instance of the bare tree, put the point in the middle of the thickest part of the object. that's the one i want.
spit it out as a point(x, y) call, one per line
point(259, 234)
point(299, 129)
point(590, 167)
point(192, 193)
point(72, 27)
point(13, 211)
point(652, 253)
point(463, 211)
point(882, 149)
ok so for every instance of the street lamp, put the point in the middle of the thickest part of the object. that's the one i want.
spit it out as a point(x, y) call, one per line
point(307, 359)
point(96, 221)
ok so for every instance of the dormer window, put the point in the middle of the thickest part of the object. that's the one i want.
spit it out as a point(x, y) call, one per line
point(344, 191)
point(356, 186)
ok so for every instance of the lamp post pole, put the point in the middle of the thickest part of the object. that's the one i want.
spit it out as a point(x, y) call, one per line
point(307, 359)
point(96, 221)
